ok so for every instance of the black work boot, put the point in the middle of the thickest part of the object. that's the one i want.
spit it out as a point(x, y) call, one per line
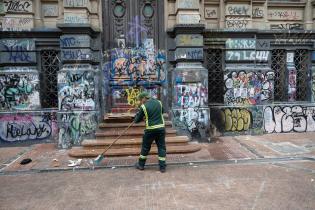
point(139, 167)
point(162, 169)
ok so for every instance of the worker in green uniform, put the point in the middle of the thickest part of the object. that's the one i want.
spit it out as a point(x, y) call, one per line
point(152, 111)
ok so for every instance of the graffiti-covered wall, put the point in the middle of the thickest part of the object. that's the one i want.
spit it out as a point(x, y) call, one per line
point(260, 119)
point(75, 126)
point(130, 71)
point(30, 127)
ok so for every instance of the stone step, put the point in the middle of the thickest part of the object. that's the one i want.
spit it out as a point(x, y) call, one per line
point(119, 117)
point(122, 117)
point(123, 125)
point(80, 152)
point(123, 110)
point(118, 127)
point(129, 134)
point(103, 143)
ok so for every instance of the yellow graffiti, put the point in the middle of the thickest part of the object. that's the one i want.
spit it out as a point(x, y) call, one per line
point(132, 96)
point(237, 119)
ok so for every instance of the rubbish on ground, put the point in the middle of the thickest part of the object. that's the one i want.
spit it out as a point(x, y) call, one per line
point(75, 162)
point(26, 161)
point(191, 164)
point(56, 163)
point(113, 167)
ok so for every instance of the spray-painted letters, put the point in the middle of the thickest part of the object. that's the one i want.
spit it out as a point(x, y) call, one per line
point(248, 87)
point(76, 90)
point(73, 127)
point(25, 127)
point(283, 119)
point(19, 91)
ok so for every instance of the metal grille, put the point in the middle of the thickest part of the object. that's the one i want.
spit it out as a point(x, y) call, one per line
point(48, 78)
point(278, 64)
point(301, 58)
point(215, 74)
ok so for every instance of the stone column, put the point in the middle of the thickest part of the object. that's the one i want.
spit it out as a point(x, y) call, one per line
point(190, 112)
point(38, 19)
point(308, 15)
point(78, 79)
point(222, 14)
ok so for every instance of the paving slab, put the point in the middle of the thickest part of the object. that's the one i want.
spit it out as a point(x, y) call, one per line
point(205, 187)
point(9, 154)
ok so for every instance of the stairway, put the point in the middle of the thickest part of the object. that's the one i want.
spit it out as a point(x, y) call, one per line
point(130, 143)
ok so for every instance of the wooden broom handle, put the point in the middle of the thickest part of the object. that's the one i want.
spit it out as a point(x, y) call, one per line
point(118, 137)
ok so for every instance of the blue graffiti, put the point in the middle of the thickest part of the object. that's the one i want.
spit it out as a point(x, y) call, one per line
point(18, 53)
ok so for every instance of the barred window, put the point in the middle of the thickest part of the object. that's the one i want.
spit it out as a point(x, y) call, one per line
point(291, 82)
point(215, 74)
point(48, 78)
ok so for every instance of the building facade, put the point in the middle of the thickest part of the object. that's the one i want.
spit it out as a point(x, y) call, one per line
point(50, 55)
point(259, 59)
point(220, 67)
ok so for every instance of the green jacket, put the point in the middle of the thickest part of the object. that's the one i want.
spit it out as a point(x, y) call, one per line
point(152, 111)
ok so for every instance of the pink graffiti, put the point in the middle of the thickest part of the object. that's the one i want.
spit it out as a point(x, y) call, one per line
point(24, 118)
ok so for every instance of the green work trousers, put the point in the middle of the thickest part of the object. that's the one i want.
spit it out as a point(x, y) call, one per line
point(157, 135)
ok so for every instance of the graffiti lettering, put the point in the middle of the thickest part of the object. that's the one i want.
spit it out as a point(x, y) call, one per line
point(238, 10)
point(248, 87)
point(247, 55)
point(282, 14)
point(287, 26)
point(18, 54)
point(211, 12)
point(76, 126)
point(75, 41)
point(194, 120)
point(191, 95)
point(76, 54)
point(17, 6)
point(293, 38)
point(75, 3)
point(189, 53)
point(236, 22)
point(283, 119)
point(19, 91)
point(75, 18)
point(25, 127)
point(76, 90)
point(237, 119)
point(240, 43)
point(257, 12)
point(17, 24)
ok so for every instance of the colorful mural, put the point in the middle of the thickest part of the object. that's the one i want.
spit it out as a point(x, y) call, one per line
point(248, 87)
point(19, 91)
